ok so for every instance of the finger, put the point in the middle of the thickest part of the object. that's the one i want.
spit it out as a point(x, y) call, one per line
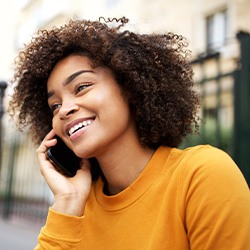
point(47, 142)
point(42, 156)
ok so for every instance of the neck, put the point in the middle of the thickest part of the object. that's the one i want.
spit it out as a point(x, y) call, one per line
point(123, 165)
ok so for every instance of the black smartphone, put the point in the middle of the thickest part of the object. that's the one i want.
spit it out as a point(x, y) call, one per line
point(64, 159)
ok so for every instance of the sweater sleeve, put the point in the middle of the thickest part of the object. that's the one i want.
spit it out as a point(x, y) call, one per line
point(217, 202)
point(60, 232)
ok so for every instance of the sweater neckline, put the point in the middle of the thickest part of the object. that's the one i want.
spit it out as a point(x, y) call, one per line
point(149, 175)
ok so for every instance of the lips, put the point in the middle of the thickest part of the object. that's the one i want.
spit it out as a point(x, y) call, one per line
point(76, 125)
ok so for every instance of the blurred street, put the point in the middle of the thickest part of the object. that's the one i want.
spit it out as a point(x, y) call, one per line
point(16, 235)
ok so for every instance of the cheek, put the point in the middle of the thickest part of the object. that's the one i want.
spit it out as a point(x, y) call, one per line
point(111, 107)
point(55, 125)
point(119, 113)
point(115, 106)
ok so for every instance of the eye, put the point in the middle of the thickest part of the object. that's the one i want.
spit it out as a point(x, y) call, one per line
point(81, 87)
point(54, 107)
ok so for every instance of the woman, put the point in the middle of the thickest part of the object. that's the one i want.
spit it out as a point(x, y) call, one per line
point(126, 100)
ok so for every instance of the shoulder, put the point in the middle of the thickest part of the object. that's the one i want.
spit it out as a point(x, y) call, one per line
point(209, 168)
point(198, 160)
point(214, 198)
point(206, 156)
point(206, 152)
point(201, 157)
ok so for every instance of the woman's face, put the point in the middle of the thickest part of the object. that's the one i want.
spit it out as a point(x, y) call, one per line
point(89, 112)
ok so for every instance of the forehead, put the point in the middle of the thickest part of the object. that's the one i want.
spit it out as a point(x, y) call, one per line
point(68, 66)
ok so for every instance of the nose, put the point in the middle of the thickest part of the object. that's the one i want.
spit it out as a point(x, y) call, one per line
point(67, 109)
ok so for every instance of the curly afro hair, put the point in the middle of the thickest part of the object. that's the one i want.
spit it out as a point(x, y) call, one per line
point(152, 71)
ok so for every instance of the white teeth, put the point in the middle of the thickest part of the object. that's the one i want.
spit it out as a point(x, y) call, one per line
point(79, 125)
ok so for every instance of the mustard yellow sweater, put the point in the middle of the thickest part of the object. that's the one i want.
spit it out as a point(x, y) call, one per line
point(184, 199)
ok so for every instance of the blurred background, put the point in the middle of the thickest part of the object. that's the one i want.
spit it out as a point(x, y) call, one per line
point(218, 33)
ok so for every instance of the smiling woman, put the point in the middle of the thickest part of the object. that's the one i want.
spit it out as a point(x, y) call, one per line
point(123, 102)
point(90, 96)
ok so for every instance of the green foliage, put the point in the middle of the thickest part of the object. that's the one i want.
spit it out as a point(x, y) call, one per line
point(213, 133)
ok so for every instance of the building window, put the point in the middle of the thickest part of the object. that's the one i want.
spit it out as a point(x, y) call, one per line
point(216, 31)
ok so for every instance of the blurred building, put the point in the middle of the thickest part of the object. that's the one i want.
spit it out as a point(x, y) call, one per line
point(210, 27)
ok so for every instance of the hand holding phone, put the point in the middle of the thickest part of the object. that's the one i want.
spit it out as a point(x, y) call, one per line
point(64, 159)
point(66, 191)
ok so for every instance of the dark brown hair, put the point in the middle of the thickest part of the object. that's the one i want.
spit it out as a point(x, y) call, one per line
point(152, 70)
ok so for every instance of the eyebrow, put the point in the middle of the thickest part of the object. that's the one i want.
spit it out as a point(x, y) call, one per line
point(70, 79)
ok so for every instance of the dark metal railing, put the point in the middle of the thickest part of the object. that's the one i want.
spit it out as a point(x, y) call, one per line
point(231, 135)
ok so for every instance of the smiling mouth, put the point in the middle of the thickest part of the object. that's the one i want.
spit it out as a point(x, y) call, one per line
point(79, 126)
